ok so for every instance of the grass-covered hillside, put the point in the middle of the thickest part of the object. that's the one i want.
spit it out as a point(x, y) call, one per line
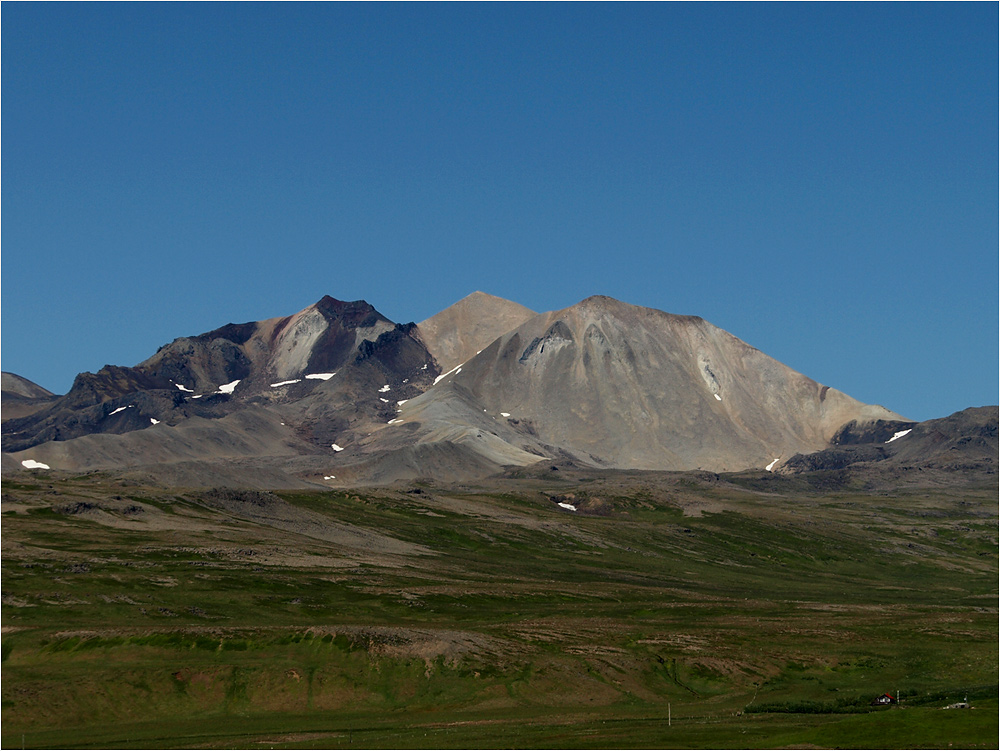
point(666, 610)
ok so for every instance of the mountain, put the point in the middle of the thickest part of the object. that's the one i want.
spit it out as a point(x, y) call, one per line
point(21, 397)
point(317, 359)
point(461, 331)
point(963, 442)
point(338, 394)
point(616, 385)
point(12, 385)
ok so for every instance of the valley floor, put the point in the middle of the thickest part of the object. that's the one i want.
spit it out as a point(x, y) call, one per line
point(665, 611)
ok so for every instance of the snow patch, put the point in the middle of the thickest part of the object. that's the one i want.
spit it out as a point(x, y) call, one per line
point(718, 397)
point(384, 389)
point(321, 376)
point(505, 414)
point(335, 447)
point(384, 401)
point(329, 477)
point(286, 383)
point(184, 388)
point(570, 506)
point(424, 367)
point(401, 402)
point(120, 409)
point(457, 369)
point(770, 467)
point(900, 434)
point(228, 388)
point(154, 421)
point(395, 421)
point(32, 464)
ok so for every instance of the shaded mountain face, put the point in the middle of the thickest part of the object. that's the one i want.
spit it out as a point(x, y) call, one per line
point(616, 385)
point(965, 441)
point(338, 394)
point(210, 376)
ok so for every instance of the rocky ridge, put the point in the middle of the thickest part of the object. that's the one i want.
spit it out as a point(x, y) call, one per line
point(339, 394)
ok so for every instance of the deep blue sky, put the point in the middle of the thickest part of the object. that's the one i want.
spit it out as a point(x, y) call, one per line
point(819, 179)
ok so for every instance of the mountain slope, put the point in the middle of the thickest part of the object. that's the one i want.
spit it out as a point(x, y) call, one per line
point(339, 394)
point(21, 397)
point(460, 331)
point(963, 442)
point(276, 361)
point(618, 385)
point(13, 385)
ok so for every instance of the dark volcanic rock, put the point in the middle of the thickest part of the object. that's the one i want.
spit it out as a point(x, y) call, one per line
point(875, 431)
point(964, 441)
point(836, 458)
point(280, 361)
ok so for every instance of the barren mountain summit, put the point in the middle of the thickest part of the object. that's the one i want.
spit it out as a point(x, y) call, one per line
point(625, 386)
point(458, 332)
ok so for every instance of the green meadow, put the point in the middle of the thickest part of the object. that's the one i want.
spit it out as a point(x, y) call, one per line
point(668, 611)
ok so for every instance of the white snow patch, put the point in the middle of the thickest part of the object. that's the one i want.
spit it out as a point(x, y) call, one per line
point(321, 376)
point(401, 402)
point(457, 369)
point(32, 464)
point(285, 383)
point(718, 397)
point(900, 434)
point(384, 401)
point(335, 447)
point(770, 467)
point(154, 421)
point(395, 421)
point(198, 396)
point(406, 380)
point(570, 506)
point(228, 388)
point(329, 477)
point(120, 409)
point(384, 389)
point(505, 414)
point(424, 367)
point(184, 388)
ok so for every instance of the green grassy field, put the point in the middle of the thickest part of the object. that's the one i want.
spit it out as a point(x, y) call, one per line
point(669, 611)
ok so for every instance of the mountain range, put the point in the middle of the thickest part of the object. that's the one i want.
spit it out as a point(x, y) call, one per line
point(338, 394)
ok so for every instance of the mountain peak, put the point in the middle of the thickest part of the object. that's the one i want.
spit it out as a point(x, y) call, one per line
point(461, 330)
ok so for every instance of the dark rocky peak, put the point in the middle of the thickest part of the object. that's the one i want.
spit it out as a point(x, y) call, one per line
point(356, 314)
point(237, 333)
point(874, 431)
point(110, 382)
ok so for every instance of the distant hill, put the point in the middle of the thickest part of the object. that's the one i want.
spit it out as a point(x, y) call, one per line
point(963, 442)
point(338, 394)
point(20, 397)
point(13, 386)
point(459, 332)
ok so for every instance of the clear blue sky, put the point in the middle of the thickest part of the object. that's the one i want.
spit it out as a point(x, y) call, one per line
point(819, 179)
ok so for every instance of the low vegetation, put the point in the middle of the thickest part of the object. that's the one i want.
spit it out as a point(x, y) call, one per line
point(667, 611)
